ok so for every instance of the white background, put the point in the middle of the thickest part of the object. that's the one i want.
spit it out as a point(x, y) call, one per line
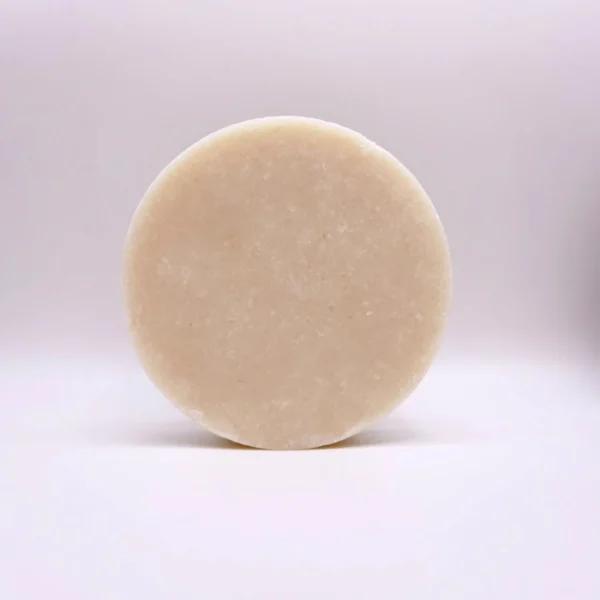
point(485, 484)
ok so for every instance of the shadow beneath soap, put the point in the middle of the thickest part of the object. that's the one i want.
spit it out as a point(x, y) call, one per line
point(399, 433)
point(163, 436)
point(181, 435)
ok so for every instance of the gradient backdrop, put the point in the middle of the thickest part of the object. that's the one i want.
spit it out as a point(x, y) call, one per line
point(486, 485)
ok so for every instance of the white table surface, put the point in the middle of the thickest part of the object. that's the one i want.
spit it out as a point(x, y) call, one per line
point(484, 485)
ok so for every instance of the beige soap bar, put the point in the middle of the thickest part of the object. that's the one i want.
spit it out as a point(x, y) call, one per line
point(286, 282)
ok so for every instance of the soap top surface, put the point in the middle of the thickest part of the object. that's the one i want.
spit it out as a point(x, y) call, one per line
point(286, 282)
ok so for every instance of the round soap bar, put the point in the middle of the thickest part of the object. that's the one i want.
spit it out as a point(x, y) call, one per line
point(286, 282)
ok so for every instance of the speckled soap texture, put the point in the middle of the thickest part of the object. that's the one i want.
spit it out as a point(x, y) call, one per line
point(286, 282)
